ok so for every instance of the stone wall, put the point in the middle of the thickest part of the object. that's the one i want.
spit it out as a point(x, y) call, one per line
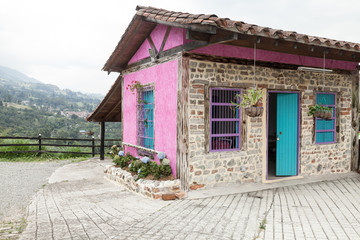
point(249, 164)
point(166, 190)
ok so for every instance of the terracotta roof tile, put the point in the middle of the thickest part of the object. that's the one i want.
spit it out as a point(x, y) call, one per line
point(171, 19)
point(196, 20)
point(184, 15)
point(175, 14)
point(188, 20)
point(179, 20)
point(214, 18)
point(238, 26)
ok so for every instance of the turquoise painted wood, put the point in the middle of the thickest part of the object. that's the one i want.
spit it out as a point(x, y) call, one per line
point(287, 134)
point(148, 97)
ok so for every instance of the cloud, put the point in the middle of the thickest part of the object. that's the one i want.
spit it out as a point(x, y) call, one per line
point(67, 42)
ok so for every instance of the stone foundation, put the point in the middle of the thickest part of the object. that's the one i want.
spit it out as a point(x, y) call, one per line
point(166, 190)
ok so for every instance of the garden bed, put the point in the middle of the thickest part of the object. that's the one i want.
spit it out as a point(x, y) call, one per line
point(155, 189)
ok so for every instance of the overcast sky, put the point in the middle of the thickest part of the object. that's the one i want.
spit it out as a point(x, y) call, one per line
point(67, 42)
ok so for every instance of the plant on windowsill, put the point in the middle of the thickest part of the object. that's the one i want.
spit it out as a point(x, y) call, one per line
point(135, 86)
point(251, 102)
point(320, 111)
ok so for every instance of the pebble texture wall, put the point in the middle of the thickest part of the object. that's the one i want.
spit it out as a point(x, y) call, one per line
point(147, 188)
point(247, 165)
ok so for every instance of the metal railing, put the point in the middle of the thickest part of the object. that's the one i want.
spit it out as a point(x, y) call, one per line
point(41, 142)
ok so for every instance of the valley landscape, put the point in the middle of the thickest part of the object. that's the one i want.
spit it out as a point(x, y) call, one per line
point(29, 107)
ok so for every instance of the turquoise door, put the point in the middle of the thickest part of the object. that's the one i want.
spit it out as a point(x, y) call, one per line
point(287, 134)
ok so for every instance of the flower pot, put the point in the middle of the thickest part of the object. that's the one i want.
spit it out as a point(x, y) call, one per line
point(324, 114)
point(254, 111)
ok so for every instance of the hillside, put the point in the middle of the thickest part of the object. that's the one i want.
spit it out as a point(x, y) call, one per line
point(18, 88)
point(29, 107)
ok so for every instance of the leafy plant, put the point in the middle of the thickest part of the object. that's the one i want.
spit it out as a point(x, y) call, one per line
point(253, 97)
point(164, 171)
point(317, 107)
point(148, 168)
point(135, 165)
point(124, 161)
point(114, 151)
point(143, 168)
point(133, 86)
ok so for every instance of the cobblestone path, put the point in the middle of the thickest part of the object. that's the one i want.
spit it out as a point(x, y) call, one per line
point(324, 210)
point(19, 182)
point(95, 208)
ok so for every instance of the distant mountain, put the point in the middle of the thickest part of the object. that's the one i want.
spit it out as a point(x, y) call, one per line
point(29, 107)
point(13, 75)
point(16, 87)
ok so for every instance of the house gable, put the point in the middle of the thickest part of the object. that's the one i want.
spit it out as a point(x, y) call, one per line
point(175, 38)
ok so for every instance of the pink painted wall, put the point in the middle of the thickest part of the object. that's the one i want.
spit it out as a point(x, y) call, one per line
point(269, 56)
point(164, 76)
point(175, 38)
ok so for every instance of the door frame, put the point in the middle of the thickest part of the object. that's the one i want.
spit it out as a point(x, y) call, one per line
point(267, 133)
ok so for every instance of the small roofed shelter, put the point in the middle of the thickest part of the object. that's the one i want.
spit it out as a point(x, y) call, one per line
point(109, 110)
point(179, 74)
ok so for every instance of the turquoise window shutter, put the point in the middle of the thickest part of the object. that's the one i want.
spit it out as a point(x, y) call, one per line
point(325, 129)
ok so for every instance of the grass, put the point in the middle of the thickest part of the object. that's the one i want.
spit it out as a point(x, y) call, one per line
point(16, 227)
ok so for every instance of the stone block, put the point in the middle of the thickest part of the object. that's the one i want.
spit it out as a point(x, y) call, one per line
point(168, 196)
point(196, 186)
point(180, 195)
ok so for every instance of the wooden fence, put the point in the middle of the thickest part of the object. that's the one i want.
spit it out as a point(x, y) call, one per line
point(46, 142)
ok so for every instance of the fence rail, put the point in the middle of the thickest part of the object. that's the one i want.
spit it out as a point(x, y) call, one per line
point(39, 144)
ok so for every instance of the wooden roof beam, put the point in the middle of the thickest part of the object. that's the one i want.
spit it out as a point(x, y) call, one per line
point(194, 27)
point(112, 110)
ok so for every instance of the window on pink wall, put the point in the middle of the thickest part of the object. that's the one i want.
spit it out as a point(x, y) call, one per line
point(145, 109)
point(225, 120)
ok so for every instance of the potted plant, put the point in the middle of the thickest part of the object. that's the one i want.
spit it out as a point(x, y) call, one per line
point(320, 111)
point(251, 102)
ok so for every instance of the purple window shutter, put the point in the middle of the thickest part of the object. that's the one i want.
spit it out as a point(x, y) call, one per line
point(225, 120)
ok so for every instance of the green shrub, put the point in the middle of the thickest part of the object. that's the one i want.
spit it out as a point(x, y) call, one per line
point(142, 169)
point(114, 151)
point(164, 170)
point(135, 166)
point(123, 161)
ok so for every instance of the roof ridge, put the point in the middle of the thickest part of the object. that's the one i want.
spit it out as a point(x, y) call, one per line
point(240, 27)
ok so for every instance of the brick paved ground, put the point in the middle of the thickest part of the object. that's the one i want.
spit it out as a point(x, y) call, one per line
point(19, 182)
point(95, 208)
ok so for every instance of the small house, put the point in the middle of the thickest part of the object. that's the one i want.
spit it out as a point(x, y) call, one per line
point(180, 75)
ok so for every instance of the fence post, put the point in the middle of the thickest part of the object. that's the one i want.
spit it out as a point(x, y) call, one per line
point(39, 143)
point(102, 140)
point(93, 146)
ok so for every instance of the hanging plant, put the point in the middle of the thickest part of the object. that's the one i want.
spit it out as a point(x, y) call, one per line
point(133, 86)
point(251, 102)
point(320, 111)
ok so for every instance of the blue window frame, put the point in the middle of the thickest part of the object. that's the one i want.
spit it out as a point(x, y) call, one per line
point(325, 129)
point(146, 118)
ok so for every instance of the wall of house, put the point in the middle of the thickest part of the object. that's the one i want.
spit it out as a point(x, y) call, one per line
point(175, 38)
point(248, 165)
point(269, 56)
point(164, 78)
